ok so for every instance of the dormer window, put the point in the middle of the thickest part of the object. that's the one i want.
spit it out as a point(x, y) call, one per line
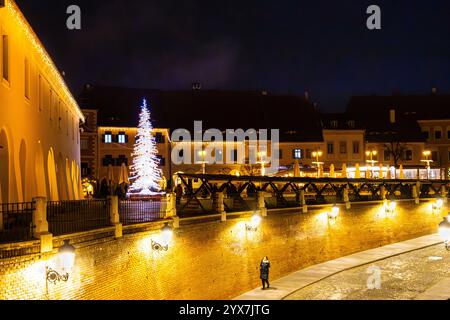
point(351, 124)
point(334, 124)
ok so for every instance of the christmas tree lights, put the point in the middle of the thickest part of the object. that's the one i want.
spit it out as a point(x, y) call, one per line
point(146, 175)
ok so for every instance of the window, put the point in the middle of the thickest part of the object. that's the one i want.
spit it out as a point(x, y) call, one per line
point(27, 78)
point(108, 160)
point(308, 154)
point(343, 147)
point(330, 148)
point(448, 134)
point(437, 134)
point(219, 156)
point(40, 93)
point(121, 160)
point(235, 156)
point(334, 124)
point(435, 156)
point(50, 101)
point(408, 155)
point(85, 170)
point(426, 134)
point(5, 57)
point(159, 137)
point(355, 147)
point(387, 155)
point(59, 115)
point(84, 144)
point(162, 160)
point(297, 153)
point(351, 124)
point(107, 138)
point(280, 154)
point(122, 137)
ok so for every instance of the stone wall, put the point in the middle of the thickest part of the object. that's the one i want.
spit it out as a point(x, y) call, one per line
point(213, 260)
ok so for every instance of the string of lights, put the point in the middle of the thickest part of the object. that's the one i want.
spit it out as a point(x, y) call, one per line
point(12, 8)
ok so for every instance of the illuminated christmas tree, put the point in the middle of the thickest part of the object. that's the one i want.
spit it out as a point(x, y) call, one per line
point(145, 174)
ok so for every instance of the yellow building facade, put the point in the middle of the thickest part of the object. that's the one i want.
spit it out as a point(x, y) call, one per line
point(39, 122)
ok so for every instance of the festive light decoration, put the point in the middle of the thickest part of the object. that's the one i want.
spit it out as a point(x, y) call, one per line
point(15, 12)
point(146, 175)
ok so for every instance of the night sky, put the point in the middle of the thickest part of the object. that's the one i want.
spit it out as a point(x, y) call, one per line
point(320, 46)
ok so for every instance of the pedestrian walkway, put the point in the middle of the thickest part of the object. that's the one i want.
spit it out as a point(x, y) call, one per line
point(440, 291)
point(287, 285)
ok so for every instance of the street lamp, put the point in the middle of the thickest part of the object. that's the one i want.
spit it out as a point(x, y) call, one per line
point(202, 154)
point(437, 206)
point(66, 260)
point(262, 160)
point(334, 213)
point(317, 154)
point(164, 239)
point(255, 221)
point(444, 231)
point(389, 207)
point(427, 161)
point(371, 153)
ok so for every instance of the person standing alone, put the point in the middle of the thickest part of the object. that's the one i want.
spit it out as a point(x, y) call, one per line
point(264, 272)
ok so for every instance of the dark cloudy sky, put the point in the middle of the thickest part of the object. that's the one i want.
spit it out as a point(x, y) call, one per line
point(280, 46)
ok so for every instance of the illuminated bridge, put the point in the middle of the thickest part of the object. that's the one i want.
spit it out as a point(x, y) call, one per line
point(240, 192)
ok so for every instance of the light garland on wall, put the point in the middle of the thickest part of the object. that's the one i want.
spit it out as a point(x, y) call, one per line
point(32, 37)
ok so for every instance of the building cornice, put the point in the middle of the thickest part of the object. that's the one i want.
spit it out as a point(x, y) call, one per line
point(15, 12)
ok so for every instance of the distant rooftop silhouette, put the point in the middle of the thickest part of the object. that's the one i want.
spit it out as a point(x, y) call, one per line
point(296, 117)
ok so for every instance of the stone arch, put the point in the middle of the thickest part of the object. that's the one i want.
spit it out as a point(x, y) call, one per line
point(23, 169)
point(39, 169)
point(74, 180)
point(4, 167)
point(52, 177)
point(69, 180)
point(62, 181)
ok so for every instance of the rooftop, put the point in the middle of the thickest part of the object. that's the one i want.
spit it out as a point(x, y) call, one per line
point(296, 117)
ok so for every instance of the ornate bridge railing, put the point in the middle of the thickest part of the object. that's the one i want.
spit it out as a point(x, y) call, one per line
point(240, 192)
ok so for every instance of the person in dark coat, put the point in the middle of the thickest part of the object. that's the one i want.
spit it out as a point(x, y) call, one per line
point(264, 272)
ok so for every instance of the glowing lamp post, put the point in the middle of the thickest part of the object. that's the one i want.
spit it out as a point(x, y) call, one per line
point(437, 206)
point(164, 240)
point(202, 155)
point(427, 161)
point(370, 154)
point(333, 213)
point(444, 231)
point(389, 207)
point(66, 260)
point(262, 160)
point(317, 154)
point(255, 221)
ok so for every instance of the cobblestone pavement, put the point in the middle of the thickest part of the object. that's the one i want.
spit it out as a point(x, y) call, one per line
point(403, 277)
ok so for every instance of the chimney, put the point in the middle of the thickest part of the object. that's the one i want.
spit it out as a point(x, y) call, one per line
point(392, 116)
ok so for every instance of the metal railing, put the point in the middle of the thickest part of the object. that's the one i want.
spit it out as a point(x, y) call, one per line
point(17, 221)
point(65, 217)
point(141, 211)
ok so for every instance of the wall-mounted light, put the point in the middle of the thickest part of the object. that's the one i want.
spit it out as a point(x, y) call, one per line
point(389, 207)
point(333, 213)
point(437, 206)
point(65, 261)
point(444, 231)
point(254, 223)
point(165, 237)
